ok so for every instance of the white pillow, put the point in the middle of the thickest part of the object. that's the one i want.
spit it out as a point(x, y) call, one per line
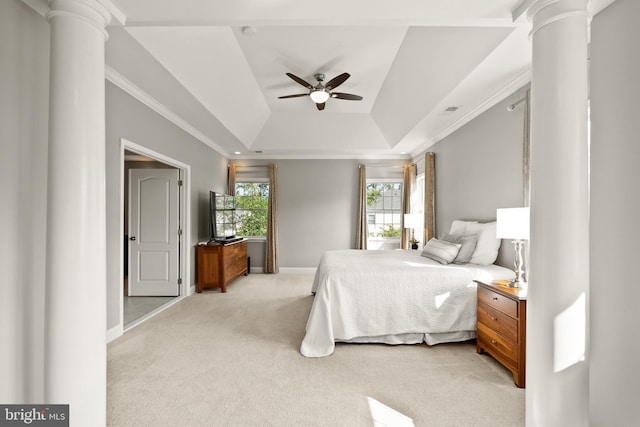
point(441, 251)
point(459, 228)
point(486, 250)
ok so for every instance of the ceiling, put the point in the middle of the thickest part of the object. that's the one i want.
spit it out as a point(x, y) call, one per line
point(217, 68)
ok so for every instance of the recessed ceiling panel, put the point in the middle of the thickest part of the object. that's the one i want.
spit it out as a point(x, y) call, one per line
point(366, 53)
point(407, 61)
point(320, 134)
point(210, 64)
point(328, 12)
point(431, 62)
point(479, 91)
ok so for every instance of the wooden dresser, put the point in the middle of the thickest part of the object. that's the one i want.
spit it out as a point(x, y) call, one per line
point(502, 326)
point(219, 265)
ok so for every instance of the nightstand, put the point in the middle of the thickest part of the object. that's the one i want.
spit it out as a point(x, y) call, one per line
point(502, 326)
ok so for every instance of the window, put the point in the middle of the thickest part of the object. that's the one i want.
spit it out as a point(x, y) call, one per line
point(418, 199)
point(252, 202)
point(384, 213)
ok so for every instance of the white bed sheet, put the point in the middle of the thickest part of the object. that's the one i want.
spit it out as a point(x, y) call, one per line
point(392, 297)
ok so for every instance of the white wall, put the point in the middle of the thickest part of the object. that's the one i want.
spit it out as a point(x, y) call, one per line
point(24, 85)
point(615, 209)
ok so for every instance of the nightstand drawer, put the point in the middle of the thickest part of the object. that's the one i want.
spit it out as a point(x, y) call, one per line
point(497, 301)
point(496, 320)
point(498, 346)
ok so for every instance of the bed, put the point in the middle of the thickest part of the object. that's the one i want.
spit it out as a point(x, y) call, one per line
point(396, 297)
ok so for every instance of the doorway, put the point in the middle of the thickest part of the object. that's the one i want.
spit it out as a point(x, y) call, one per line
point(136, 309)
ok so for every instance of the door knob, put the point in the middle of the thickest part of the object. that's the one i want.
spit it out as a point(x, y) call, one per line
point(132, 238)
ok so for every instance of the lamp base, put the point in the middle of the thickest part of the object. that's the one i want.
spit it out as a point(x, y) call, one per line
point(515, 283)
point(519, 281)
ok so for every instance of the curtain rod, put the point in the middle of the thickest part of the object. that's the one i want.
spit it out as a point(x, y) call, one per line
point(252, 166)
point(513, 106)
point(385, 166)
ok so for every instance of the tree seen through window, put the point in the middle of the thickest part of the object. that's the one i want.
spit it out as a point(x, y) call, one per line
point(252, 202)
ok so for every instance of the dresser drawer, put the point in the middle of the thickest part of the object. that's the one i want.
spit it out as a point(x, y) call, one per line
point(499, 302)
point(504, 325)
point(497, 345)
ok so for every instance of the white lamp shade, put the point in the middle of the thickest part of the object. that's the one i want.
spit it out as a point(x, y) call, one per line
point(412, 220)
point(512, 223)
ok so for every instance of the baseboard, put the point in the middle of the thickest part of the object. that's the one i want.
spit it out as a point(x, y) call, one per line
point(113, 333)
point(298, 270)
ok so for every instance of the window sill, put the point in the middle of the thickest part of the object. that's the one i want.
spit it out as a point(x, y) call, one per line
point(256, 239)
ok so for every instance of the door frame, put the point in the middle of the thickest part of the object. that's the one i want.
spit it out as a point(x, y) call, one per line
point(185, 215)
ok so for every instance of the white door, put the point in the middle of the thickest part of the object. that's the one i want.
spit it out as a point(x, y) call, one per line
point(153, 232)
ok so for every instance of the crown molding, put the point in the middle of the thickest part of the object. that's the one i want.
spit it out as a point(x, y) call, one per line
point(267, 156)
point(495, 98)
point(116, 14)
point(133, 90)
point(42, 7)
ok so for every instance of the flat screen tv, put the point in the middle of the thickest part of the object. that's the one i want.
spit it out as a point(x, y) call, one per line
point(222, 211)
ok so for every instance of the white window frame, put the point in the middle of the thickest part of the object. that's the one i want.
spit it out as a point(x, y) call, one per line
point(380, 242)
point(254, 181)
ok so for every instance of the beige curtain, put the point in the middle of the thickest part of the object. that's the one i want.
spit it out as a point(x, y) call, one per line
point(361, 227)
point(429, 197)
point(231, 179)
point(271, 256)
point(408, 184)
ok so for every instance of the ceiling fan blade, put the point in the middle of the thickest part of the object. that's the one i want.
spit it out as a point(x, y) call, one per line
point(337, 81)
point(320, 106)
point(299, 80)
point(347, 96)
point(293, 96)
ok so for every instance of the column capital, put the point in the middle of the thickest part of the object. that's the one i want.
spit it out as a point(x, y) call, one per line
point(89, 11)
point(544, 12)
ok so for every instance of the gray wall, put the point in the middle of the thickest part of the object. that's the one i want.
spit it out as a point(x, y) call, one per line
point(127, 118)
point(478, 169)
point(24, 89)
point(317, 209)
point(615, 209)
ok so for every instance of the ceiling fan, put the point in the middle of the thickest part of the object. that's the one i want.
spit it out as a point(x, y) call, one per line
point(320, 93)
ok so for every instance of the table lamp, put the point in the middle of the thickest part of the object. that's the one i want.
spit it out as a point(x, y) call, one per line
point(513, 223)
point(413, 221)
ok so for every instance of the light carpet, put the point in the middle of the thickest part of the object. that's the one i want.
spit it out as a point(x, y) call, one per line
point(233, 359)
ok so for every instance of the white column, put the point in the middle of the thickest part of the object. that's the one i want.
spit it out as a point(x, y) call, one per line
point(75, 344)
point(557, 317)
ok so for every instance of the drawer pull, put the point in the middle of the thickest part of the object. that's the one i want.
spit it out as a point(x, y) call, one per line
point(494, 319)
point(494, 342)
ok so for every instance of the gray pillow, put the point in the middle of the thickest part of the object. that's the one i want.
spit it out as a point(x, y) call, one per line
point(468, 245)
point(442, 251)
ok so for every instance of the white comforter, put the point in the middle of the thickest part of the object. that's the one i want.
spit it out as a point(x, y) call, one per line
point(392, 297)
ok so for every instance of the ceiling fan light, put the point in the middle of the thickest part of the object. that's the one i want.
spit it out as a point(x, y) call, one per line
point(319, 96)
